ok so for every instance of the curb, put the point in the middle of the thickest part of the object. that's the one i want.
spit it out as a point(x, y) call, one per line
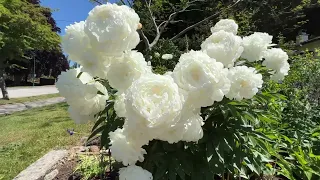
point(42, 166)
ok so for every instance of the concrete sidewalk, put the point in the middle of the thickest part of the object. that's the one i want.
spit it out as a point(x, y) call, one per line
point(18, 92)
point(11, 108)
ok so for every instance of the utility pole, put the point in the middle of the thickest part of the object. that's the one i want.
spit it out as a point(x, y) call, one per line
point(34, 69)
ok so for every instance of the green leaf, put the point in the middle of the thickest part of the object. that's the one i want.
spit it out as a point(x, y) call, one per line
point(98, 122)
point(181, 173)
point(105, 141)
point(186, 165)
point(161, 170)
point(172, 171)
point(95, 132)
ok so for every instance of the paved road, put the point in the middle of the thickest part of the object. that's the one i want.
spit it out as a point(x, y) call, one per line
point(17, 92)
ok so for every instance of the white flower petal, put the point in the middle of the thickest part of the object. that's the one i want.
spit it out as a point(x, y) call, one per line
point(134, 173)
point(245, 82)
point(125, 149)
point(202, 78)
point(224, 47)
point(227, 25)
point(112, 28)
point(255, 45)
point(127, 69)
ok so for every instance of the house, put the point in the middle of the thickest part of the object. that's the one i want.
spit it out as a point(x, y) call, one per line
point(305, 43)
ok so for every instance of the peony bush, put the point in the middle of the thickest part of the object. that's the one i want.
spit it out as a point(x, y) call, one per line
point(201, 120)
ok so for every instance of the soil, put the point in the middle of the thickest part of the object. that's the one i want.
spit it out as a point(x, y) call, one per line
point(67, 166)
point(66, 170)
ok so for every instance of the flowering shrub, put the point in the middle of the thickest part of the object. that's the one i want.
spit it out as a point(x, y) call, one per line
point(200, 120)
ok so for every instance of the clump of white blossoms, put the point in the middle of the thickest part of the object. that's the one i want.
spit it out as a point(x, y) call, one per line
point(227, 25)
point(127, 69)
point(167, 56)
point(82, 93)
point(112, 28)
point(277, 60)
point(134, 173)
point(122, 144)
point(223, 46)
point(152, 106)
point(245, 82)
point(203, 78)
point(255, 45)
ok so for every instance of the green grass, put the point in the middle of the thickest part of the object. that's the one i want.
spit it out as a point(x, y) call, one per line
point(26, 99)
point(26, 136)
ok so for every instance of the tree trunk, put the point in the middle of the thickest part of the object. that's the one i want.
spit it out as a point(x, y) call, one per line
point(3, 87)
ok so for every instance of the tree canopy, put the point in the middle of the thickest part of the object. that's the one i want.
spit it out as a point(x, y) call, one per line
point(24, 27)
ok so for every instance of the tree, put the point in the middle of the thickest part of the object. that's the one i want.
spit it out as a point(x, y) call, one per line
point(174, 19)
point(44, 61)
point(23, 27)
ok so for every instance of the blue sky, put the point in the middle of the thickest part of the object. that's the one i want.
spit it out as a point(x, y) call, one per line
point(68, 11)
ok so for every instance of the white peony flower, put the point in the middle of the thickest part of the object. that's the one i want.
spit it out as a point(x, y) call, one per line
point(74, 39)
point(82, 93)
point(227, 25)
point(244, 82)
point(78, 118)
point(112, 28)
point(192, 126)
point(68, 83)
point(203, 79)
point(277, 60)
point(153, 101)
point(138, 132)
point(119, 104)
point(95, 63)
point(189, 128)
point(125, 149)
point(126, 70)
point(167, 56)
point(168, 73)
point(134, 173)
point(279, 76)
point(255, 45)
point(223, 46)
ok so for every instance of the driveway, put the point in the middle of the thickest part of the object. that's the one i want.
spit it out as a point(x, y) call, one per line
point(18, 92)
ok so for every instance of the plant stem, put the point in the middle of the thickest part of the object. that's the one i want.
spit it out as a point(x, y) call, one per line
point(101, 166)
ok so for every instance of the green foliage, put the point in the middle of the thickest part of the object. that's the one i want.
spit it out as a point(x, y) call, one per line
point(89, 166)
point(275, 134)
point(107, 121)
point(164, 47)
point(33, 133)
point(23, 27)
point(302, 115)
point(264, 137)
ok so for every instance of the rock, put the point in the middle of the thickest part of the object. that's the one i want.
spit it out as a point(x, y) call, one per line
point(83, 149)
point(51, 175)
point(84, 140)
point(94, 141)
point(39, 169)
point(94, 149)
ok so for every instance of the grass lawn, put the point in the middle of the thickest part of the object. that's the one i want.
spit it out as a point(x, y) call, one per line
point(26, 99)
point(26, 136)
